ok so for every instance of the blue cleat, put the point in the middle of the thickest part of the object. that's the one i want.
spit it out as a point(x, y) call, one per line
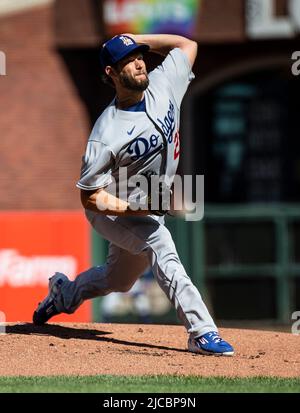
point(47, 309)
point(210, 344)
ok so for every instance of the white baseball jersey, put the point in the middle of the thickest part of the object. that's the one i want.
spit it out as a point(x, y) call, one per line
point(140, 141)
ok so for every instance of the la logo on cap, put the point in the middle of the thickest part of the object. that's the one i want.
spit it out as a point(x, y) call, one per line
point(126, 40)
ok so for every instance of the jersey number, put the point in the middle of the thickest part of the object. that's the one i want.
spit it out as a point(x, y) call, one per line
point(177, 145)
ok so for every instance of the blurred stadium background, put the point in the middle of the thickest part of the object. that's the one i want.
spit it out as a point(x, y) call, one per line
point(239, 128)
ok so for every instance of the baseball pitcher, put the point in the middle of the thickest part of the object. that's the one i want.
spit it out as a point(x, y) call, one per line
point(134, 141)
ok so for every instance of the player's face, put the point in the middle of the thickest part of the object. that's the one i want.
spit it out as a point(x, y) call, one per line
point(132, 72)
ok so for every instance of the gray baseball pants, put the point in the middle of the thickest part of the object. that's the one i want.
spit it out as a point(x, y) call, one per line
point(136, 243)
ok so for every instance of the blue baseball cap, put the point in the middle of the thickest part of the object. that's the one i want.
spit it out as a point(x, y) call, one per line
point(119, 47)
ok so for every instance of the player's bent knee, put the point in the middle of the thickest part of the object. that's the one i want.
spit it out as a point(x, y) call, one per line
point(163, 239)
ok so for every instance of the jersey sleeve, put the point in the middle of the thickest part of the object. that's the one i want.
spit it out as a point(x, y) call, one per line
point(97, 164)
point(177, 70)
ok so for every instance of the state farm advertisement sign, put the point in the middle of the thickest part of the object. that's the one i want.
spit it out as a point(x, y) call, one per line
point(33, 246)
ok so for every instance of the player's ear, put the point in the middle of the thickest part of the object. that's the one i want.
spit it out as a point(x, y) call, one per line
point(108, 70)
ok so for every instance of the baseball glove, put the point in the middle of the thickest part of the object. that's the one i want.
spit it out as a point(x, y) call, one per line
point(158, 200)
point(158, 196)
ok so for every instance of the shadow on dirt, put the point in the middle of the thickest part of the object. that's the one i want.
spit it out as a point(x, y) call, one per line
point(64, 332)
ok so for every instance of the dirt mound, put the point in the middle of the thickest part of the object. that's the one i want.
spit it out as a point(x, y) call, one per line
point(126, 349)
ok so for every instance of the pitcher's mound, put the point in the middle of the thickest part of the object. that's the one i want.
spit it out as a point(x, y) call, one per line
point(127, 349)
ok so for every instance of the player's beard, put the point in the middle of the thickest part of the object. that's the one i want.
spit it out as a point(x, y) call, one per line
point(134, 84)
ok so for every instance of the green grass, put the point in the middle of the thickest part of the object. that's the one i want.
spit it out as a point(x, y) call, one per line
point(147, 384)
